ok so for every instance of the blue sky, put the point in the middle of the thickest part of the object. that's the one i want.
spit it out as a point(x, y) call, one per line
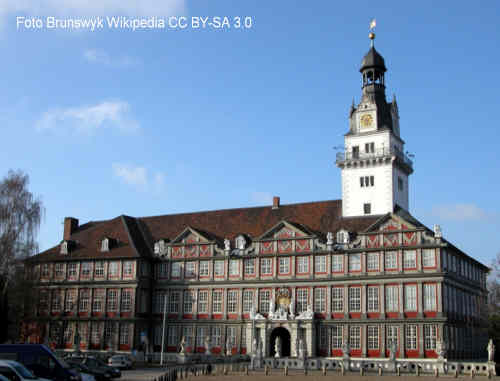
point(160, 121)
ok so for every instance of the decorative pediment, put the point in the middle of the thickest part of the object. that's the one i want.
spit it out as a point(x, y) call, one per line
point(286, 230)
point(391, 222)
point(190, 236)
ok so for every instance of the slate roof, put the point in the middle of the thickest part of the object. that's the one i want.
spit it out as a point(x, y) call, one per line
point(136, 236)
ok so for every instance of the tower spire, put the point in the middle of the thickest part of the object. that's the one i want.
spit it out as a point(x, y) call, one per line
point(371, 35)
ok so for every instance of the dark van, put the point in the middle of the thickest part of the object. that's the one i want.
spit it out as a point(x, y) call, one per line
point(40, 360)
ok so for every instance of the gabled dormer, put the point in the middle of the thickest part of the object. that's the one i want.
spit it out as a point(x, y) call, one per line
point(107, 243)
point(66, 247)
point(285, 237)
point(192, 242)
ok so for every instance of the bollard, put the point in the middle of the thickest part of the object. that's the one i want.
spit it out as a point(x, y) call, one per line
point(380, 371)
point(285, 370)
point(324, 370)
point(472, 373)
point(361, 370)
point(267, 370)
point(489, 373)
point(456, 373)
point(225, 370)
point(246, 370)
point(342, 369)
point(436, 372)
point(417, 371)
point(399, 371)
point(305, 370)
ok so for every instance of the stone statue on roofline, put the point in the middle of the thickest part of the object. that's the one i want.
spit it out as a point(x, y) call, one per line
point(227, 244)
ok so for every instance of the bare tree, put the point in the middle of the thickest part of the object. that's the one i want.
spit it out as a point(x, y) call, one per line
point(20, 217)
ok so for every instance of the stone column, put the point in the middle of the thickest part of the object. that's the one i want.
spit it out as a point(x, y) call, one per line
point(293, 339)
point(420, 304)
point(401, 300)
point(383, 336)
point(329, 303)
point(420, 335)
point(346, 301)
point(402, 341)
point(364, 340)
point(364, 301)
point(224, 304)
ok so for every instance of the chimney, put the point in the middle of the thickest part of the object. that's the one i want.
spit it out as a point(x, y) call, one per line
point(276, 202)
point(70, 225)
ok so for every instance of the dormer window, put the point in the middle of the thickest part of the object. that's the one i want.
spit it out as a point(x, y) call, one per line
point(342, 237)
point(105, 245)
point(64, 247)
point(240, 242)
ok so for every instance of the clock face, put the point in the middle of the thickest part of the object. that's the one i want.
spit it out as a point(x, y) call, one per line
point(366, 120)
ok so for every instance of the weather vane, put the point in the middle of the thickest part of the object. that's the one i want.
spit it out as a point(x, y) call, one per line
point(371, 35)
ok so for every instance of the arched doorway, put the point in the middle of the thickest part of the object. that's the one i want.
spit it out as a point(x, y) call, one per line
point(284, 335)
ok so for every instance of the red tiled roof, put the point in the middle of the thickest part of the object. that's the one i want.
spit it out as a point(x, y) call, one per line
point(137, 235)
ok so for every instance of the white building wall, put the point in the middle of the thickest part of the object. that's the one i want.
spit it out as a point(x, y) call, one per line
point(401, 197)
point(381, 139)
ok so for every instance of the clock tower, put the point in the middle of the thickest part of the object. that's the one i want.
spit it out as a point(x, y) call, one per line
point(374, 167)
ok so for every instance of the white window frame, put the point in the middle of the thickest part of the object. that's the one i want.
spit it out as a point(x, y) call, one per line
point(302, 264)
point(336, 334)
point(302, 299)
point(264, 298)
point(373, 337)
point(391, 260)
point(247, 301)
point(411, 337)
point(320, 299)
point(249, 266)
point(372, 261)
point(354, 262)
point(392, 298)
point(190, 269)
point(337, 299)
point(284, 265)
point(173, 301)
point(126, 300)
point(266, 266)
point(219, 268)
point(234, 267)
point(409, 259)
point(232, 301)
point(355, 337)
point(354, 299)
point(175, 271)
point(428, 258)
point(373, 296)
point(204, 268)
point(188, 302)
point(217, 301)
point(430, 292)
point(320, 264)
point(338, 263)
point(99, 269)
point(410, 294)
point(203, 302)
point(430, 336)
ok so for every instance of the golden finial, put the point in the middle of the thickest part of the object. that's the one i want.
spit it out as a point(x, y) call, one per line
point(371, 35)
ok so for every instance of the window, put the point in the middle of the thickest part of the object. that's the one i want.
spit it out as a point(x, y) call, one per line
point(190, 269)
point(56, 301)
point(391, 298)
point(173, 336)
point(367, 181)
point(373, 298)
point(323, 337)
point(232, 301)
point(265, 266)
point(72, 270)
point(176, 270)
point(84, 300)
point(302, 300)
point(217, 335)
point(99, 269)
point(429, 337)
point(370, 147)
point(86, 269)
point(188, 302)
point(429, 297)
point(68, 333)
point(410, 259)
point(59, 270)
point(219, 268)
point(410, 297)
point(338, 299)
point(45, 270)
point(97, 300)
point(284, 265)
point(217, 302)
point(367, 208)
point(187, 332)
point(336, 337)
point(113, 269)
point(70, 300)
point(247, 301)
point(392, 336)
point(124, 334)
point(249, 266)
point(354, 299)
point(95, 334)
point(203, 302)
point(302, 265)
point(355, 152)
point(391, 260)
point(231, 336)
point(126, 301)
point(400, 183)
point(264, 297)
point(411, 337)
point(372, 261)
point(159, 301)
point(320, 300)
point(320, 264)
point(161, 270)
point(173, 302)
point(82, 330)
point(372, 337)
point(428, 258)
point(355, 337)
point(234, 267)
point(354, 262)
point(109, 329)
point(128, 268)
point(337, 263)
point(201, 333)
point(204, 268)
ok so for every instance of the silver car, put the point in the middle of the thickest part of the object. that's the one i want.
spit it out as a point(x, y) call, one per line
point(120, 361)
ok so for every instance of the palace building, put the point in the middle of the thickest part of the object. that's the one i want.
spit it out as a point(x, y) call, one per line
point(360, 271)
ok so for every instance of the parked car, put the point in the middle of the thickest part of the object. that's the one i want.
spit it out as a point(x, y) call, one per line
point(95, 364)
point(98, 373)
point(15, 371)
point(120, 361)
point(40, 360)
point(3, 378)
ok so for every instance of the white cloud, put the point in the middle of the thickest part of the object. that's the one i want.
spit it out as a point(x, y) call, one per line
point(139, 177)
point(94, 8)
point(88, 119)
point(459, 212)
point(101, 57)
point(261, 198)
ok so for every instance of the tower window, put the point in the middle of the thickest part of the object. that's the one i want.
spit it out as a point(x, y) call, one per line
point(370, 147)
point(367, 181)
point(400, 183)
point(355, 152)
point(367, 208)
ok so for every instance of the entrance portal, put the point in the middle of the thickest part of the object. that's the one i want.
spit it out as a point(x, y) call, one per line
point(284, 336)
